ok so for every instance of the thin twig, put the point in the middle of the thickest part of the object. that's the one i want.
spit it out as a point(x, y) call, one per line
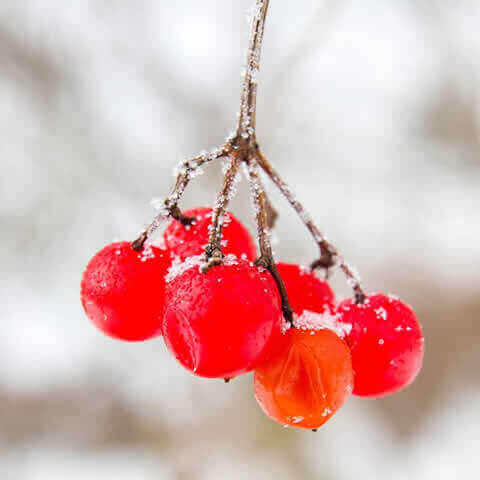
point(186, 171)
point(266, 259)
point(329, 255)
point(247, 119)
point(243, 148)
point(247, 122)
point(213, 250)
point(244, 139)
point(272, 213)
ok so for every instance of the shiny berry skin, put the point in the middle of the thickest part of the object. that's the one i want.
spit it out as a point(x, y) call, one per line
point(224, 322)
point(305, 290)
point(386, 342)
point(190, 240)
point(123, 291)
point(308, 381)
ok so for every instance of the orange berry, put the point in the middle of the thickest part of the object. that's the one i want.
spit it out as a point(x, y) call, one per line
point(308, 381)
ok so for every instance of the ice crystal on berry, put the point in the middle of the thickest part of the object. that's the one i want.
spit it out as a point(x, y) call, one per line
point(319, 321)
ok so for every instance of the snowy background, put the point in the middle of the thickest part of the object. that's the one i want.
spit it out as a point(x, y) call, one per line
point(370, 109)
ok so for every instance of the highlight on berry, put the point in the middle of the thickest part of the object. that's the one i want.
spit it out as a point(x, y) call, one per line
point(225, 306)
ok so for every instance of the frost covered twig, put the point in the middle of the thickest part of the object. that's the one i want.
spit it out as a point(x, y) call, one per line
point(247, 118)
point(329, 255)
point(213, 250)
point(266, 259)
point(243, 147)
point(243, 142)
point(185, 172)
point(272, 213)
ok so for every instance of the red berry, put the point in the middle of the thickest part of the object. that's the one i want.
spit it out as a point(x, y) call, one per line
point(190, 240)
point(224, 322)
point(386, 342)
point(123, 291)
point(308, 381)
point(305, 290)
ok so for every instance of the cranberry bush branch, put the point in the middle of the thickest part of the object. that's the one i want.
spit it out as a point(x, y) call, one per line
point(329, 255)
point(243, 147)
point(244, 140)
point(186, 170)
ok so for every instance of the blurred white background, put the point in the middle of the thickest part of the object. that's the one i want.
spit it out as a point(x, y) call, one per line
point(370, 109)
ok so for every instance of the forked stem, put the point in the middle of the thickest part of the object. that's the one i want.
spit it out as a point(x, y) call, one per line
point(243, 142)
point(243, 148)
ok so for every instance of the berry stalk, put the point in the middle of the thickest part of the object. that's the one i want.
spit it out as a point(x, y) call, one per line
point(213, 250)
point(266, 259)
point(244, 140)
point(329, 254)
point(185, 172)
point(247, 119)
point(243, 147)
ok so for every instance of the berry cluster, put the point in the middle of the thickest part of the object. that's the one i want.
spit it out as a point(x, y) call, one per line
point(223, 311)
point(222, 320)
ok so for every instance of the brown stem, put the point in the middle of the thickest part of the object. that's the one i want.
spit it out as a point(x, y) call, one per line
point(266, 259)
point(243, 141)
point(247, 118)
point(272, 213)
point(184, 175)
point(177, 214)
point(329, 255)
point(243, 147)
point(213, 250)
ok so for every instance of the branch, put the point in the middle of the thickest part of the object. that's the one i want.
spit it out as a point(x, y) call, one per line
point(329, 255)
point(186, 170)
point(248, 106)
point(213, 250)
point(272, 213)
point(243, 148)
point(266, 259)
point(243, 142)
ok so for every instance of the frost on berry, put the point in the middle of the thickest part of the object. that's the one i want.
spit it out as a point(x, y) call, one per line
point(381, 313)
point(224, 322)
point(319, 321)
point(386, 343)
point(178, 267)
